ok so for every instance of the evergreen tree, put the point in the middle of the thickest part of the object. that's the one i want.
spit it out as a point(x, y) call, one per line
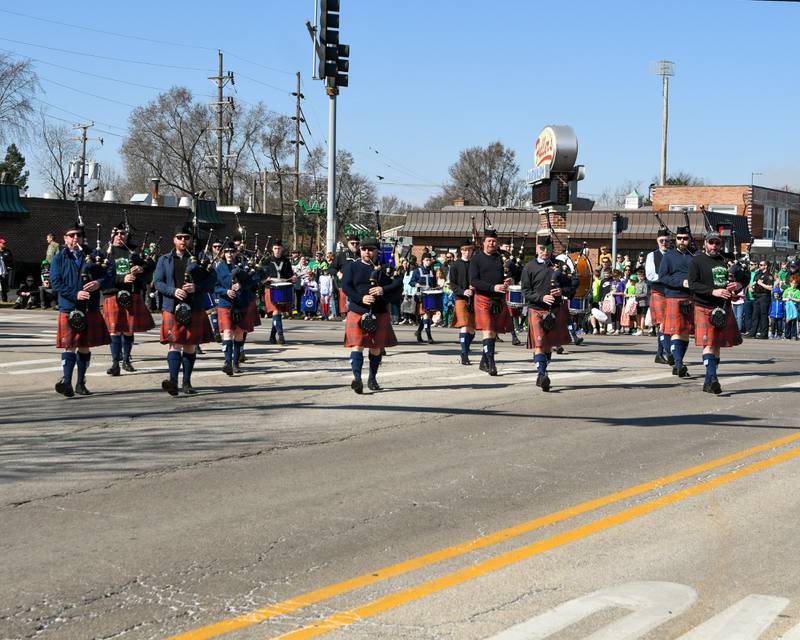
point(12, 166)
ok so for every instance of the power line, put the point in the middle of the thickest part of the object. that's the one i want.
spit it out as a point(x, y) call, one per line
point(78, 115)
point(258, 64)
point(100, 57)
point(266, 84)
point(111, 133)
point(86, 93)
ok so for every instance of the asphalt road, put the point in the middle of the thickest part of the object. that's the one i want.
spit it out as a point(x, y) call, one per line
point(448, 505)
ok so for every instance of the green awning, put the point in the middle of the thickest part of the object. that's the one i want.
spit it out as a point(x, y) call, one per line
point(207, 216)
point(10, 202)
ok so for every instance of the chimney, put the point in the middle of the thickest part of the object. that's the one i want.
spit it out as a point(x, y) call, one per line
point(154, 192)
point(460, 202)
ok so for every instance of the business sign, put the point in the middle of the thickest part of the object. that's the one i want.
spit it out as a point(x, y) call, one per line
point(556, 147)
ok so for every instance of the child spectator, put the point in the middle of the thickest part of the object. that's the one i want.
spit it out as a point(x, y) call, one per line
point(310, 296)
point(326, 292)
point(776, 313)
point(791, 306)
point(641, 291)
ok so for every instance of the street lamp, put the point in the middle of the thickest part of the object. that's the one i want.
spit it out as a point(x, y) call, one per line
point(753, 174)
point(665, 69)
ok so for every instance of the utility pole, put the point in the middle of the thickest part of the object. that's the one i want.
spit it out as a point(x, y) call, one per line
point(298, 118)
point(330, 229)
point(665, 69)
point(221, 104)
point(82, 182)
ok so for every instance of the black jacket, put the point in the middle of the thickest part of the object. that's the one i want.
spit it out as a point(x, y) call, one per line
point(486, 271)
point(357, 281)
point(459, 278)
point(278, 268)
point(538, 278)
point(707, 273)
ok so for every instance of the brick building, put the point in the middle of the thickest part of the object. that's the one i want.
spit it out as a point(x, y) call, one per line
point(24, 223)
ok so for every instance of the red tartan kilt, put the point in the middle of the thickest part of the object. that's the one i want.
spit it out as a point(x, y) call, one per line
point(96, 333)
point(657, 307)
point(485, 321)
point(273, 308)
point(674, 322)
point(538, 338)
point(252, 312)
point(197, 332)
point(342, 302)
point(462, 316)
point(134, 320)
point(225, 320)
point(707, 335)
point(383, 337)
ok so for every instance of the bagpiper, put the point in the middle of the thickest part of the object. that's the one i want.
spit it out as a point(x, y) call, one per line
point(370, 291)
point(678, 322)
point(183, 281)
point(235, 293)
point(490, 285)
point(124, 310)
point(546, 289)
point(713, 283)
point(463, 313)
point(658, 301)
point(77, 277)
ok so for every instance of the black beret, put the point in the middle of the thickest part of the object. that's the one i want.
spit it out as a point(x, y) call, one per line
point(73, 226)
point(277, 242)
point(489, 233)
point(369, 242)
point(544, 241)
point(466, 242)
point(181, 229)
point(684, 231)
point(663, 232)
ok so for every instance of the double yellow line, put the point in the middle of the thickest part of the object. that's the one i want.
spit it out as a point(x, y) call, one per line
point(395, 600)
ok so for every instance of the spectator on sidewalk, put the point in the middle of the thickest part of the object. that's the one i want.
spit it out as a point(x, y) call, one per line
point(6, 269)
point(52, 248)
point(27, 295)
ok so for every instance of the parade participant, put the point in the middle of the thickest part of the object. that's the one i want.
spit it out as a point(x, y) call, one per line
point(657, 300)
point(370, 290)
point(514, 271)
point(184, 325)
point(490, 286)
point(463, 314)
point(678, 320)
point(424, 277)
point(349, 254)
point(713, 285)
point(235, 292)
point(277, 268)
point(77, 278)
point(124, 310)
point(545, 288)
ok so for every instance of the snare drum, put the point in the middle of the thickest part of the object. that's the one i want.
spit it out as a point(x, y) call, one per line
point(387, 255)
point(433, 299)
point(514, 296)
point(281, 293)
point(577, 306)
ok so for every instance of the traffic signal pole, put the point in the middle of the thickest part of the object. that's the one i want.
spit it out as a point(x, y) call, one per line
point(330, 236)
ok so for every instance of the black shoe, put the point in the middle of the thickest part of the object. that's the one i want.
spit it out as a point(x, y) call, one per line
point(227, 368)
point(81, 389)
point(273, 340)
point(237, 368)
point(671, 360)
point(578, 341)
point(281, 339)
point(661, 360)
point(715, 387)
point(559, 350)
point(113, 370)
point(491, 368)
point(465, 359)
point(373, 385)
point(218, 338)
point(543, 381)
point(188, 389)
point(128, 366)
point(430, 340)
point(357, 386)
point(64, 388)
point(170, 386)
point(483, 366)
point(242, 357)
point(515, 340)
point(683, 372)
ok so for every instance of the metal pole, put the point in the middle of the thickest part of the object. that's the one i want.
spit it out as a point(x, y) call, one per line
point(614, 240)
point(82, 185)
point(219, 132)
point(296, 162)
point(331, 228)
point(663, 179)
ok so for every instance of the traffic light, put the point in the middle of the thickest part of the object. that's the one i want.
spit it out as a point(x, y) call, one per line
point(333, 58)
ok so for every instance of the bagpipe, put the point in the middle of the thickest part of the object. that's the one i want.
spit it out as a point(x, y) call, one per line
point(199, 271)
point(369, 321)
point(94, 267)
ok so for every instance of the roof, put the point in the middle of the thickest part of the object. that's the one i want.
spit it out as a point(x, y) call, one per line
point(10, 202)
point(207, 216)
point(449, 223)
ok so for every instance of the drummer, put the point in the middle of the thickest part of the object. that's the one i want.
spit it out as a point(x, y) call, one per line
point(424, 277)
point(277, 268)
point(463, 314)
point(513, 271)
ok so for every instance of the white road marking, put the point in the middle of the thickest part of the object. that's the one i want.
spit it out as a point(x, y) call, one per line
point(20, 363)
point(736, 380)
point(792, 634)
point(640, 379)
point(745, 620)
point(651, 603)
point(27, 371)
point(790, 385)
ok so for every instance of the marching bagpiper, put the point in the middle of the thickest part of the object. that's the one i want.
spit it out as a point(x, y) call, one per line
point(183, 281)
point(463, 313)
point(124, 310)
point(658, 301)
point(235, 292)
point(368, 324)
point(77, 277)
point(546, 290)
point(713, 284)
point(678, 322)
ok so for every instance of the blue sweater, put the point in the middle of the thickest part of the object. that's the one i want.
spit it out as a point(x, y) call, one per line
point(244, 296)
point(165, 281)
point(66, 280)
point(672, 271)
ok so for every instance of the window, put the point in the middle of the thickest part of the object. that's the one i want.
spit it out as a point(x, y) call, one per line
point(723, 208)
point(681, 207)
point(769, 223)
point(782, 225)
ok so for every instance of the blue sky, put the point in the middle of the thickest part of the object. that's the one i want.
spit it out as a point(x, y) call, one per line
point(431, 77)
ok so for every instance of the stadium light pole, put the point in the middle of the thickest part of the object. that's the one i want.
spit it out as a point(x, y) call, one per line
point(665, 69)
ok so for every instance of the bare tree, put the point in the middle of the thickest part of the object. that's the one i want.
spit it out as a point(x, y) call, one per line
point(57, 147)
point(615, 198)
point(391, 205)
point(18, 87)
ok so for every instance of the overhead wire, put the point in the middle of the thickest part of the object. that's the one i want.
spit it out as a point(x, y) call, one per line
point(78, 115)
point(87, 93)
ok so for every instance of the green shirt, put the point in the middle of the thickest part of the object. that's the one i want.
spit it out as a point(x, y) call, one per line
point(792, 293)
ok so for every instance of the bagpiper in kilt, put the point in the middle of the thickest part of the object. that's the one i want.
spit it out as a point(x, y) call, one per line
point(713, 282)
point(546, 290)
point(277, 268)
point(678, 320)
point(463, 314)
point(370, 290)
point(77, 278)
point(490, 285)
point(422, 278)
point(182, 280)
point(235, 291)
point(658, 302)
point(124, 310)
point(349, 254)
point(513, 271)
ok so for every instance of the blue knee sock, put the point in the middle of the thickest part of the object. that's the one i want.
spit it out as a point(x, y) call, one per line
point(127, 345)
point(540, 360)
point(214, 322)
point(174, 364)
point(427, 325)
point(356, 363)
point(488, 347)
point(676, 348)
point(660, 345)
point(710, 362)
point(116, 348)
point(68, 359)
point(83, 365)
point(462, 338)
point(237, 349)
point(188, 366)
point(374, 363)
point(468, 339)
point(277, 323)
point(227, 347)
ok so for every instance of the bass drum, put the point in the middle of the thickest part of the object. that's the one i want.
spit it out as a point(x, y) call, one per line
point(583, 269)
